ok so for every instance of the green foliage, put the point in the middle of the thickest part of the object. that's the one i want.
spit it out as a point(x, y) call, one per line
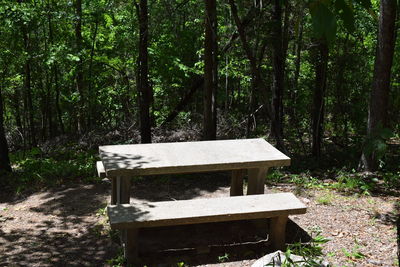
point(354, 254)
point(223, 258)
point(325, 199)
point(33, 169)
point(324, 21)
point(377, 143)
point(310, 253)
point(118, 260)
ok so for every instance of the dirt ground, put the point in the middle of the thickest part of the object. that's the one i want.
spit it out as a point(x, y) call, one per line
point(67, 226)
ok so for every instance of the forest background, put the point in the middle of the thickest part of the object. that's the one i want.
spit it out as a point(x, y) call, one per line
point(320, 79)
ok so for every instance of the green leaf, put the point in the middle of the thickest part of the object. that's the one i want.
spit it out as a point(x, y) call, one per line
point(323, 20)
point(386, 133)
point(73, 57)
point(365, 3)
point(346, 14)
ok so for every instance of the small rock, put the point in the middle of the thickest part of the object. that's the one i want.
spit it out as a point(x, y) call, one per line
point(278, 258)
point(375, 263)
point(305, 200)
point(106, 180)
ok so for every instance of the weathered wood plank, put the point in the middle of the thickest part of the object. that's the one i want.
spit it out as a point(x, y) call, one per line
point(182, 212)
point(189, 157)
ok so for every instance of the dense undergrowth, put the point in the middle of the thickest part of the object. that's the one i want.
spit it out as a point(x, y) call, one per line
point(63, 162)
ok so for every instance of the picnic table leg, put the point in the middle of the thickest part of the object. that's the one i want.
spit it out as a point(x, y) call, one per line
point(120, 194)
point(237, 183)
point(131, 247)
point(113, 190)
point(120, 190)
point(256, 181)
point(277, 232)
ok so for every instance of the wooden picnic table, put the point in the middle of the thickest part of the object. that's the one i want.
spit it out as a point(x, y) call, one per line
point(121, 162)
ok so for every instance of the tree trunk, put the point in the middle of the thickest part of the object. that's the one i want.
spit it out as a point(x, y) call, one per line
point(28, 89)
point(91, 99)
point(79, 66)
point(4, 159)
point(378, 106)
point(295, 84)
point(255, 71)
point(321, 68)
point(197, 83)
point(210, 71)
point(144, 91)
point(54, 69)
point(278, 73)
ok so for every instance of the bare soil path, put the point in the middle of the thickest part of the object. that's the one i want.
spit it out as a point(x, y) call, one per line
point(67, 226)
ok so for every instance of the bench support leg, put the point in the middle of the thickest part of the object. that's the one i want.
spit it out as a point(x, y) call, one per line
point(277, 232)
point(125, 190)
point(131, 246)
point(256, 181)
point(113, 190)
point(120, 190)
point(237, 183)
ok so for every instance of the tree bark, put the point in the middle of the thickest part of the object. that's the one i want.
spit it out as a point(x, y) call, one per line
point(144, 91)
point(278, 73)
point(28, 89)
point(91, 99)
point(297, 63)
point(321, 69)
point(4, 158)
point(79, 66)
point(378, 106)
point(198, 82)
point(54, 69)
point(210, 71)
point(255, 71)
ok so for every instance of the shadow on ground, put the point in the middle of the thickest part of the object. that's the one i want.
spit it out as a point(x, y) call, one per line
point(67, 226)
point(179, 187)
point(214, 243)
point(58, 227)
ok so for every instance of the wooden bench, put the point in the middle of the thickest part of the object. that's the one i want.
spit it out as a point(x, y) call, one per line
point(131, 217)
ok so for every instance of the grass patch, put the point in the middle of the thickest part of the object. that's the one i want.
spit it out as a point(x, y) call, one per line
point(325, 199)
point(34, 169)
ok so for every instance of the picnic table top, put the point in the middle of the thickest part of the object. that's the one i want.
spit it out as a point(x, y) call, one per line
point(189, 157)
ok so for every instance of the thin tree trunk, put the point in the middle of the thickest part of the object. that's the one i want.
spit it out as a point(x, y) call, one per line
point(28, 90)
point(4, 158)
point(144, 91)
point(297, 64)
point(79, 66)
point(321, 68)
point(198, 83)
point(378, 106)
point(341, 97)
point(255, 72)
point(91, 94)
point(54, 68)
point(16, 105)
point(210, 71)
point(278, 73)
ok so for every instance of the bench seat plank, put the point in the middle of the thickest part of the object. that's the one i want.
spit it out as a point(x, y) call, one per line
point(153, 214)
